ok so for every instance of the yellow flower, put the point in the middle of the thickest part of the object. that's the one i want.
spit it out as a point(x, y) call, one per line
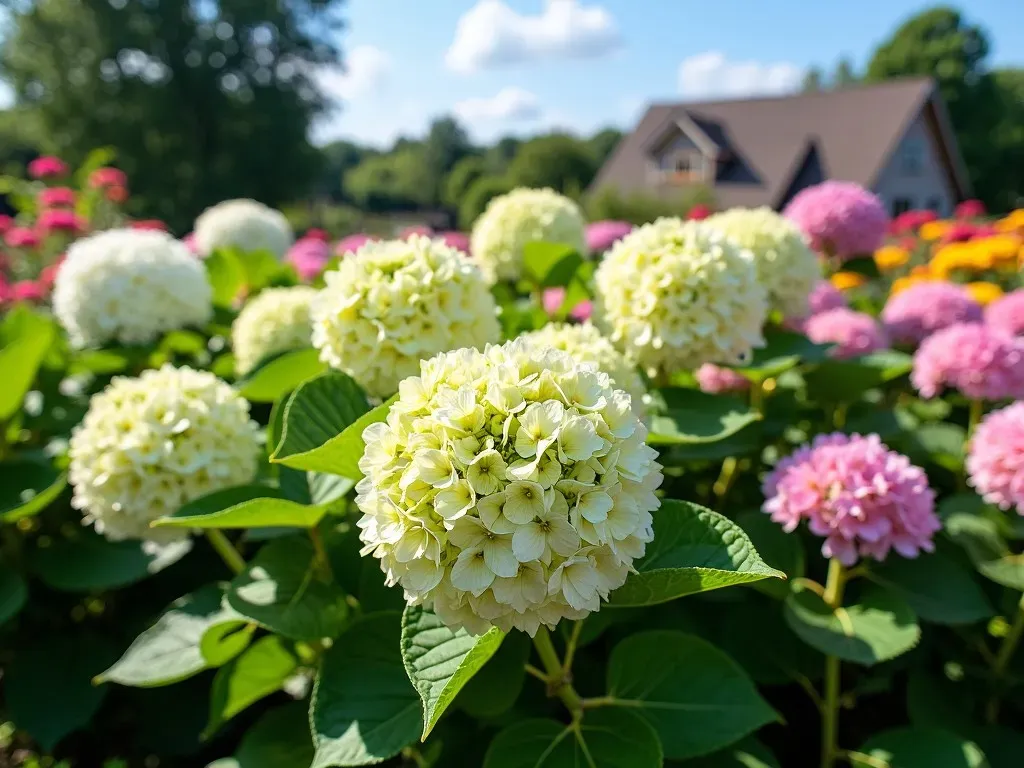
point(984, 292)
point(969, 256)
point(844, 281)
point(1002, 249)
point(1012, 222)
point(919, 274)
point(891, 257)
point(934, 230)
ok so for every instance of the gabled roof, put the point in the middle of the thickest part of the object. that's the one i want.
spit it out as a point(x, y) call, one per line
point(854, 132)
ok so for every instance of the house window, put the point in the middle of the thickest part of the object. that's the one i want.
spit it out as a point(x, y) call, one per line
point(935, 204)
point(912, 156)
point(684, 164)
point(901, 204)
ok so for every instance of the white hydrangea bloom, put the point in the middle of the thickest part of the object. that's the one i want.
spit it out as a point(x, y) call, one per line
point(149, 444)
point(276, 320)
point(524, 216)
point(395, 303)
point(129, 286)
point(585, 344)
point(676, 294)
point(510, 487)
point(243, 224)
point(786, 266)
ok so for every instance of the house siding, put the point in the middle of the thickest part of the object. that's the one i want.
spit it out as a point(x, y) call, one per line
point(930, 185)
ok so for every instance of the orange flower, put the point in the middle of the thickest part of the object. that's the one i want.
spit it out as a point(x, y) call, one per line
point(1002, 249)
point(968, 257)
point(844, 281)
point(983, 292)
point(934, 230)
point(891, 257)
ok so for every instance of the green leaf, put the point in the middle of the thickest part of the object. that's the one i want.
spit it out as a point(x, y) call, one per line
point(919, 748)
point(89, 562)
point(696, 698)
point(862, 265)
point(494, 689)
point(180, 342)
point(226, 275)
point(783, 350)
point(320, 423)
point(982, 540)
point(605, 738)
point(940, 443)
point(550, 265)
point(880, 626)
point(20, 360)
point(261, 268)
point(844, 380)
point(27, 488)
point(48, 688)
point(281, 375)
point(694, 550)
point(223, 641)
point(258, 672)
point(279, 739)
point(170, 650)
point(935, 587)
point(265, 510)
point(101, 362)
point(280, 592)
point(748, 753)
point(364, 709)
point(697, 417)
point(13, 593)
point(440, 661)
point(777, 548)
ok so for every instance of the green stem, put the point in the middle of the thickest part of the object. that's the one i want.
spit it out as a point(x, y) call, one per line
point(570, 647)
point(559, 682)
point(226, 550)
point(320, 560)
point(830, 702)
point(757, 396)
point(974, 414)
point(724, 481)
point(1003, 657)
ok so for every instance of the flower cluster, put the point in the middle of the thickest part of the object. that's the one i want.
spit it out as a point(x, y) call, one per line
point(553, 298)
point(129, 286)
point(891, 257)
point(585, 344)
point(995, 461)
point(352, 243)
point(982, 363)
point(243, 224)
point(1007, 314)
point(842, 219)
point(602, 235)
point(309, 256)
point(397, 302)
point(854, 333)
point(787, 268)
point(913, 314)
point(510, 487)
point(277, 320)
point(523, 216)
point(149, 444)
point(675, 295)
point(863, 498)
point(714, 379)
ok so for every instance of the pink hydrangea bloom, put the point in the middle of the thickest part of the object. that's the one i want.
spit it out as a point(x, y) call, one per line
point(699, 212)
point(315, 233)
point(982, 363)
point(714, 379)
point(863, 498)
point(909, 222)
point(309, 256)
point(915, 313)
point(60, 220)
point(189, 241)
point(150, 224)
point(48, 274)
point(416, 230)
point(969, 209)
point(552, 299)
point(27, 290)
point(602, 235)
point(457, 240)
point(995, 459)
point(823, 297)
point(6, 222)
point(853, 333)
point(840, 218)
point(108, 177)
point(21, 237)
point(46, 167)
point(352, 243)
point(57, 197)
point(1007, 314)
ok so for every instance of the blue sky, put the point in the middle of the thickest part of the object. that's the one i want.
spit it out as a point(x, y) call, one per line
point(523, 66)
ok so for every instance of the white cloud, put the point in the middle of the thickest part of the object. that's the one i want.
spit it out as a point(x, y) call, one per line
point(711, 75)
point(490, 34)
point(507, 105)
point(366, 69)
point(6, 95)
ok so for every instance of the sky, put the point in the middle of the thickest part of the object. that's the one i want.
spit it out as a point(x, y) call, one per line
point(520, 67)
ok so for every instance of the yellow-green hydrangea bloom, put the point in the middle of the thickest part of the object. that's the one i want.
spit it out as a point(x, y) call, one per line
point(276, 320)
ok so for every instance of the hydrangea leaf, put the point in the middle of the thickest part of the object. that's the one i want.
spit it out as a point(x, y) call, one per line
point(550, 265)
point(13, 593)
point(244, 507)
point(782, 350)
point(496, 687)
point(919, 748)
point(747, 753)
point(697, 417)
point(878, 627)
point(777, 548)
point(695, 697)
point(694, 550)
point(279, 739)
point(845, 380)
point(20, 359)
point(364, 709)
point(605, 738)
point(981, 538)
point(281, 375)
point(440, 661)
point(226, 275)
point(935, 587)
point(27, 488)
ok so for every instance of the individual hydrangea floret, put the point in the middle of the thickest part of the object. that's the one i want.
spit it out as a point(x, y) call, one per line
point(995, 460)
point(674, 295)
point(714, 379)
point(275, 321)
point(395, 303)
point(913, 314)
point(841, 219)
point(524, 216)
point(853, 333)
point(585, 344)
point(509, 487)
point(1007, 314)
point(129, 286)
point(787, 268)
point(863, 498)
point(982, 363)
point(243, 224)
point(149, 444)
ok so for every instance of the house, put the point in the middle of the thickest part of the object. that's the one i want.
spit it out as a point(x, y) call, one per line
point(894, 138)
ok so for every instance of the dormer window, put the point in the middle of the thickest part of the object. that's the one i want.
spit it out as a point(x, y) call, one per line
point(683, 165)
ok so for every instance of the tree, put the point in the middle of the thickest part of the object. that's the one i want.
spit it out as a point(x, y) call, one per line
point(559, 161)
point(479, 194)
point(461, 178)
point(202, 101)
point(339, 158)
point(399, 180)
point(844, 74)
point(813, 79)
point(603, 143)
